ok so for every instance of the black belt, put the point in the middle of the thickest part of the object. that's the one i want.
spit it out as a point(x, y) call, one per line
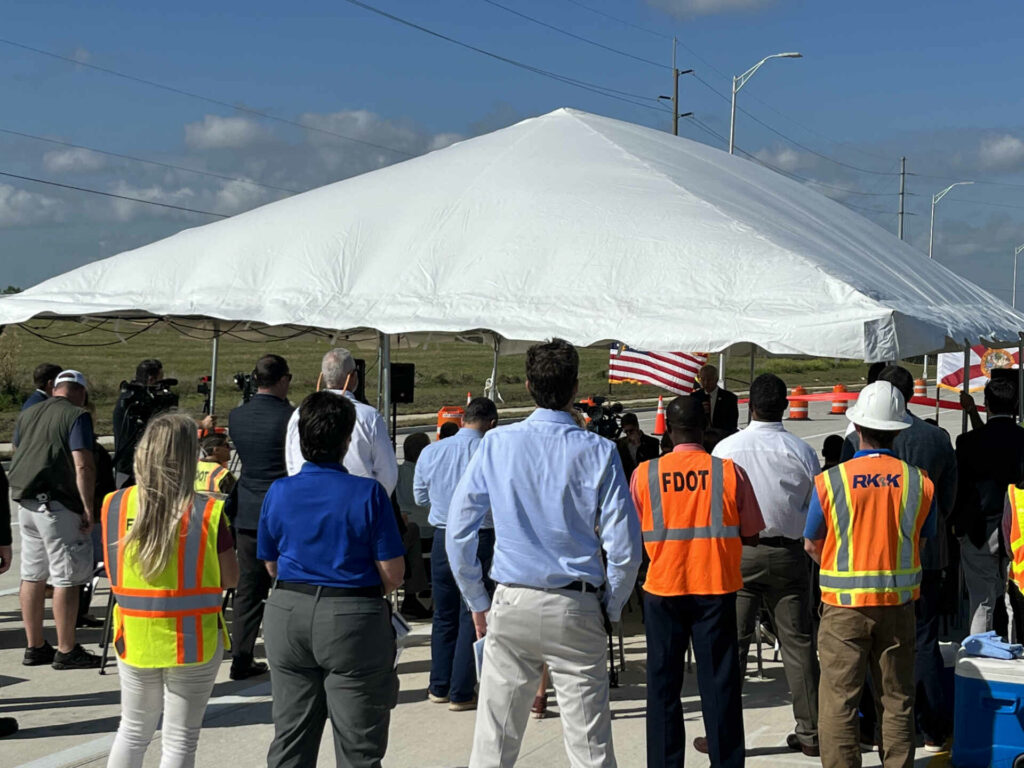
point(778, 541)
point(576, 586)
point(313, 589)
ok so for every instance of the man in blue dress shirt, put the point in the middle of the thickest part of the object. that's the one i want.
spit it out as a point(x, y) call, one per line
point(438, 470)
point(558, 496)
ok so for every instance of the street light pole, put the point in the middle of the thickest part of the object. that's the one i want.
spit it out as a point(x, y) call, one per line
point(741, 80)
point(1016, 253)
point(931, 240)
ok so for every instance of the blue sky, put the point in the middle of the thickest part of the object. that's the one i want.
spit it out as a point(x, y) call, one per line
point(936, 81)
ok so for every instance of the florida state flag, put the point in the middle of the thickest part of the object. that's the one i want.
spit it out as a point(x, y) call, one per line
point(983, 360)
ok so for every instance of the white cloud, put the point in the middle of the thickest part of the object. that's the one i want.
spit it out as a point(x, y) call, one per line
point(690, 8)
point(216, 132)
point(1001, 152)
point(237, 196)
point(72, 160)
point(128, 210)
point(19, 207)
point(785, 158)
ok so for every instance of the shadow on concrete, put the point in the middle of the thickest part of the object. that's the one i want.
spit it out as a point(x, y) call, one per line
point(79, 728)
point(412, 667)
point(29, 703)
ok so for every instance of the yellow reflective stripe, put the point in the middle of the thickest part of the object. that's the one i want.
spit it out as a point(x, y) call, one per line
point(898, 572)
point(833, 518)
point(867, 590)
point(848, 492)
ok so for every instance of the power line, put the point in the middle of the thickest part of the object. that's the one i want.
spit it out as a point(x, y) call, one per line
point(111, 194)
point(621, 21)
point(951, 178)
point(148, 162)
point(611, 93)
point(182, 92)
point(573, 35)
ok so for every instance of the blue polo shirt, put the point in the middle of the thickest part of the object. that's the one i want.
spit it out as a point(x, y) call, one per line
point(328, 528)
point(816, 528)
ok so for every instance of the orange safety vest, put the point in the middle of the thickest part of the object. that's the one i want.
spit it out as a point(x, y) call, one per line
point(1017, 536)
point(175, 618)
point(209, 475)
point(875, 507)
point(690, 523)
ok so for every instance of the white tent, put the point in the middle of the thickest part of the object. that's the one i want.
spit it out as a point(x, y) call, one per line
point(567, 224)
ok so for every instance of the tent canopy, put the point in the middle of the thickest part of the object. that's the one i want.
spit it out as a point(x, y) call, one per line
point(568, 224)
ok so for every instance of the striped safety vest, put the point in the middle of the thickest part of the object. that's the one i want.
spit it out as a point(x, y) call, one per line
point(173, 620)
point(1017, 535)
point(209, 475)
point(691, 524)
point(875, 507)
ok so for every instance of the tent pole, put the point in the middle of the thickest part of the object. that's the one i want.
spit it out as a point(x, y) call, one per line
point(384, 386)
point(967, 382)
point(492, 389)
point(721, 370)
point(213, 371)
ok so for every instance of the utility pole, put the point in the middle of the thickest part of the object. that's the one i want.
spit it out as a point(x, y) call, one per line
point(903, 186)
point(675, 92)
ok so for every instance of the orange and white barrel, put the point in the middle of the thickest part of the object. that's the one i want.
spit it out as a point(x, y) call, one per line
point(920, 388)
point(449, 414)
point(798, 408)
point(839, 404)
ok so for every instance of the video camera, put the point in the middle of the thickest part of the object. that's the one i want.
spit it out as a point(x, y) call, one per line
point(142, 401)
point(246, 383)
point(605, 420)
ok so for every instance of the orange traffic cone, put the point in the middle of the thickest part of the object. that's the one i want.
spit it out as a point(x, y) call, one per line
point(469, 397)
point(838, 405)
point(659, 420)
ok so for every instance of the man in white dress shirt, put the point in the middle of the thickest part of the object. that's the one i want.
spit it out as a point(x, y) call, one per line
point(370, 453)
point(776, 574)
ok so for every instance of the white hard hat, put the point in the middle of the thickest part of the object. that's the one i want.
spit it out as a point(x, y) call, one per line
point(880, 406)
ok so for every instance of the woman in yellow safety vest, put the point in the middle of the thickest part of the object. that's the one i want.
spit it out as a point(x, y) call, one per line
point(169, 555)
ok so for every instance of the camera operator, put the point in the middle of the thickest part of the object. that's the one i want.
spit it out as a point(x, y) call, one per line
point(258, 429)
point(634, 446)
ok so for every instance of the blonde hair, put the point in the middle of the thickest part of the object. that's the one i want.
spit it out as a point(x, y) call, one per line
point(165, 469)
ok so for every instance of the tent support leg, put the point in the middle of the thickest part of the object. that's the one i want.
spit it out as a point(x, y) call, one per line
point(967, 382)
point(212, 400)
point(721, 370)
point(384, 386)
point(492, 383)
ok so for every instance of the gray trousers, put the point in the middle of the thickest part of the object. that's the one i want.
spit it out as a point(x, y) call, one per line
point(985, 576)
point(330, 656)
point(777, 578)
point(527, 628)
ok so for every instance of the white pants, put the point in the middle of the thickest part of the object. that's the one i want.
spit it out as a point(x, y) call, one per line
point(180, 694)
point(526, 629)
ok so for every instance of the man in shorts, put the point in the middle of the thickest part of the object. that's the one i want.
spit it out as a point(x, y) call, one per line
point(53, 477)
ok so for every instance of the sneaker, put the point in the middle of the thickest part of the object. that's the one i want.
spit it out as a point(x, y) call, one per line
point(462, 706)
point(78, 658)
point(38, 656)
point(934, 746)
point(435, 699)
point(244, 672)
point(8, 726)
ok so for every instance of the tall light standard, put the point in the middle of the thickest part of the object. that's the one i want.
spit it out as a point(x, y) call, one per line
point(739, 82)
point(931, 239)
point(1016, 253)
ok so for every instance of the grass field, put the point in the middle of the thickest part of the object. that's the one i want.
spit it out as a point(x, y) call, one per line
point(444, 372)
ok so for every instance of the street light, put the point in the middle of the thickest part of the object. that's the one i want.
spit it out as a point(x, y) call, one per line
point(739, 82)
point(1016, 253)
point(931, 238)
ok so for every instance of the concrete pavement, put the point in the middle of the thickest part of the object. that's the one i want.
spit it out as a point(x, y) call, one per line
point(69, 718)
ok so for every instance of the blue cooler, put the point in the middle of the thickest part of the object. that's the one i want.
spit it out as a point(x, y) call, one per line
point(988, 728)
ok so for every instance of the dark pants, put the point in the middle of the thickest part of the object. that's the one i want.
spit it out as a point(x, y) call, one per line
point(930, 710)
point(710, 621)
point(777, 577)
point(253, 586)
point(452, 665)
point(330, 656)
point(415, 571)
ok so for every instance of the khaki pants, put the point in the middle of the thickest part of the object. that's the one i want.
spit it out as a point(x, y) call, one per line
point(527, 628)
point(851, 642)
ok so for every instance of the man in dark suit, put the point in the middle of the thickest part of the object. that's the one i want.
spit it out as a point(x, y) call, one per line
point(989, 459)
point(258, 430)
point(720, 406)
point(634, 446)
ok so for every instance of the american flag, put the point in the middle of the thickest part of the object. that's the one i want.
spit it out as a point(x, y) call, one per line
point(674, 371)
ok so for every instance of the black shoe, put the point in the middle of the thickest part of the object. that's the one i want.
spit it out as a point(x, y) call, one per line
point(37, 657)
point(811, 750)
point(244, 672)
point(414, 609)
point(8, 726)
point(78, 658)
point(88, 621)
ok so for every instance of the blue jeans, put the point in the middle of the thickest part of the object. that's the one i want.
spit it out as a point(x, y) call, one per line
point(452, 667)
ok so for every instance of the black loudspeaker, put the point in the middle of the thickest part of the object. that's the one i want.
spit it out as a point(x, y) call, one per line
point(403, 382)
point(360, 393)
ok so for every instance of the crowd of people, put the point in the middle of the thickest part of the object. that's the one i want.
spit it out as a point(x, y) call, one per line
point(539, 533)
